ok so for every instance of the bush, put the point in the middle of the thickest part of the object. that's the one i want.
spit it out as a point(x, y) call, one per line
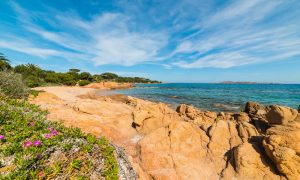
point(11, 85)
point(83, 82)
point(33, 81)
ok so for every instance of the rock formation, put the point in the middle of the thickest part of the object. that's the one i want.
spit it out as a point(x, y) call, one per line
point(109, 85)
point(187, 143)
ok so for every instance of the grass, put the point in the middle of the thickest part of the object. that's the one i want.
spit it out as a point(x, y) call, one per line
point(33, 148)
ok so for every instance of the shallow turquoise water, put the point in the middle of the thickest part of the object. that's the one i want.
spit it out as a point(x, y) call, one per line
point(218, 97)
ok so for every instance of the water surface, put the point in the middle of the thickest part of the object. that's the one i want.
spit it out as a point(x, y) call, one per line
point(218, 97)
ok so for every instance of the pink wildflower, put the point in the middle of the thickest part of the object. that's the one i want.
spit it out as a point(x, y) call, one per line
point(41, 174)
point(51, 128)
point(27, 144)
point(2, 137)
point(37, 143)
point(54, 132)
point(48, 136)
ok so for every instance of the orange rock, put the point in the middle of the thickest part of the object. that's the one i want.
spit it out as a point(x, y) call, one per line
point(282, 145)
point(281, 115)
point(250, 163)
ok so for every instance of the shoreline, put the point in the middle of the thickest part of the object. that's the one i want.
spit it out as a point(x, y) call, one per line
point(152, 132)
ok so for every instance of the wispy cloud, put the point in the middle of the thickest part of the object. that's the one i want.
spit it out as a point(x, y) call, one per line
point(245, 32)
point(108, 38)
point(186, 34)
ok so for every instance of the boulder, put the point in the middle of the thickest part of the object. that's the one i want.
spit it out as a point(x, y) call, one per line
point(241, 117)
point(223, 137)
point(246, 130)
point(280, 115)
point(282, 145)
point(178, 151)
point(203, 119)
point(252, 163)
point(254, 107)
point(149, 116)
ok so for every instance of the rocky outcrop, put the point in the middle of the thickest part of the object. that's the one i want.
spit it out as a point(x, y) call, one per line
point(282, 144)
point(149, 116)
point(178, 151)
point(252, 163)
point(256, 110)
point(281, 115)
point(186, 143)
point(109, 85)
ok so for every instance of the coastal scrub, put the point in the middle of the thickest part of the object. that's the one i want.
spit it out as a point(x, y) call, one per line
point(33, 148)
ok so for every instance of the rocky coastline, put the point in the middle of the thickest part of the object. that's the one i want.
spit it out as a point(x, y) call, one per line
point(263, 142)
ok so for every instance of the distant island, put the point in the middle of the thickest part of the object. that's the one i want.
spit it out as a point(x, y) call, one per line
point(244, 82)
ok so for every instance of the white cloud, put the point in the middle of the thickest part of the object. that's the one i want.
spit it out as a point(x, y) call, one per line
point(239, 33)
point(27, 48)
point(108, 38)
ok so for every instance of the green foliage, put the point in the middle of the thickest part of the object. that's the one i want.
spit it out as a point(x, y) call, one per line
point(81, 154)
point(83, 82)
point(86, 76)
point(97, 78)
point(11, 85)
point(34, 76)
point(109, 76)
point(4, 63)
point(33, 81)
point(74, 70)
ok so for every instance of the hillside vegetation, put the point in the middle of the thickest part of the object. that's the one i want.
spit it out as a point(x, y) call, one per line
point(35, 76)
point(31, 147)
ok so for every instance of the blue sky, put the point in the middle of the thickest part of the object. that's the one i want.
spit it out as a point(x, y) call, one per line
point(167, 40)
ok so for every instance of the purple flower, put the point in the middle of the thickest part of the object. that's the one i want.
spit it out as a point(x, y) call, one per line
point(27, 144)
point(38, 156)
point(48, 136)
point(54, 132)
point(2, 137)
point(37, 143)
point(51, 128)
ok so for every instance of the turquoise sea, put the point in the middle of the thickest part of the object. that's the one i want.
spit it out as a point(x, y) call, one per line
point(218, 97)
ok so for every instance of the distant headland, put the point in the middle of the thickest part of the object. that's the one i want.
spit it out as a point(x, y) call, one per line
point(244, 82)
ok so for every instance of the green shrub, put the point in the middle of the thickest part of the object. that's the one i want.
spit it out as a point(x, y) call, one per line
point(12, 85)
point(33, 81)
point(83, 82)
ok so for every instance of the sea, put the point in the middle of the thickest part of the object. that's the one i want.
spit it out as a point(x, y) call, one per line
point(217, 97)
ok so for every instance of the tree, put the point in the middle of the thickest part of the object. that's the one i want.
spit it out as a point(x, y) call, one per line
point(85, 76)
point(97, 78)
point(109, 76)
point(74, 70)
point(4, 63)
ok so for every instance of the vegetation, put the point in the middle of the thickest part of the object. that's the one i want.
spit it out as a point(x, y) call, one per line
point(12, 85)
point(83, 82)
point(35, 76)
point(33, 148)
point(4, 63)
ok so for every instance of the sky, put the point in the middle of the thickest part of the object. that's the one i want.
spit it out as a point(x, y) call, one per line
point(166, 40)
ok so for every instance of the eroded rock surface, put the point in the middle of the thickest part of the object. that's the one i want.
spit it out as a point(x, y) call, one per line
point(282, 145)
point(186, 143)
point(281, 115)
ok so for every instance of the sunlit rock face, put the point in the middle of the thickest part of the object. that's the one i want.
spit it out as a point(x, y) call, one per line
point(186, 143)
